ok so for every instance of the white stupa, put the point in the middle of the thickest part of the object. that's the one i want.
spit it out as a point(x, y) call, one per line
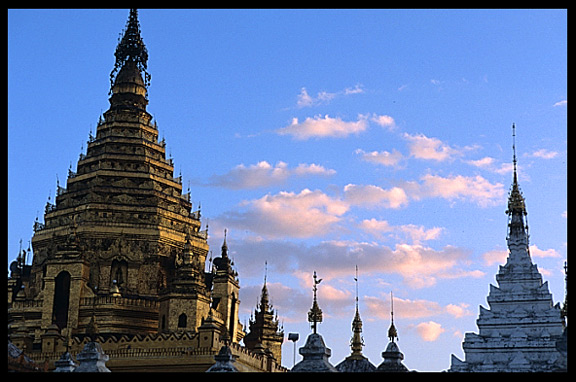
point(520, 330)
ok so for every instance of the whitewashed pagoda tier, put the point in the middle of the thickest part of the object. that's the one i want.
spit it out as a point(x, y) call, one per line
point(520, 329)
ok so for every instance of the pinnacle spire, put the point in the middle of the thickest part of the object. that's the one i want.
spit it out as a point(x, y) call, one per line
point(131, 49)
point(357, 342)
point(315, 313)
point(518, 225)
point(392, 332)
point(225, 245)
point(264, 298)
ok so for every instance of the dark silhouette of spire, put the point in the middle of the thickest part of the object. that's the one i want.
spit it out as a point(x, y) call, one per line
point(131, 49)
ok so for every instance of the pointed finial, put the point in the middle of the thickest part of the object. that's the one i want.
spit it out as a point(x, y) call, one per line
point(356, 281)
point(392, 332)
point(225, 245)
point(357, 342)
point(131, 48)
point(516, 202)
point(315, 313)
point(264, 298)
point(514, 151)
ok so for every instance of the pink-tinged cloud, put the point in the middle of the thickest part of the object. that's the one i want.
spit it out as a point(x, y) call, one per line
point(419, 266)
point(324, 97)
point(475, 189)
point(385, 158)
point(263, 174)
point(499, 256)
point(417, 234)
point(385, 121)
point(288, 214)
point(291, 304)
point(429, 331)
point(423, 147)
point(379, 308)
point(543, 154)
point(323, 127)
point(374, 196)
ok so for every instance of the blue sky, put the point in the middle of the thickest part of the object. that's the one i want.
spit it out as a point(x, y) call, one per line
point(322, 139)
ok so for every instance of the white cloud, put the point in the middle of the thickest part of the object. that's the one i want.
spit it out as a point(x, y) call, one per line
point(475, 189)
point(417, 234)
point(374, 196)
point(263, 174)
point(384, 158)
point(537, 252)
point(499, 256)
point(287, 214)
point(458, 311)
point(420, 266)
point(495, 256)
point(304, 99)
point(324, 97)
point(485, 162)
point(384, 121)
point(561, 103)
point(489, 164)
point(423, 147)
point(323, 127)
point(376, 227)
point(543, 154)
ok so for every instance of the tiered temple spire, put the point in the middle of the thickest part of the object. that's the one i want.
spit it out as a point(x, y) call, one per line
point(131, 49)
point(520, 330)
point(356, 361)
point(315, 353)
point(392, 356)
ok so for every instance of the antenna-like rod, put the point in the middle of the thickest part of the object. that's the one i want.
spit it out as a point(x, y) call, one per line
point(356, 280)
point(514, 150)
point(392, 332)
point(392, 307)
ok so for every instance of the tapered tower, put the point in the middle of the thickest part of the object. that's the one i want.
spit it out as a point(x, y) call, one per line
point(117, 231)
point(265, 335)
point(520, 329)
point(356, 362)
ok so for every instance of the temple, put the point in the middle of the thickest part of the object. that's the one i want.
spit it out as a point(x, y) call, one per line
point(118, 278)
point(120, 258)
point(522, 328)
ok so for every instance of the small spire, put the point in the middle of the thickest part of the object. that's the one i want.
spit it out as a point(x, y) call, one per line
point(518, 223)
point(356, 281)
point(357, 342)
point(515, 200)
point(264, 297)
point(315, 313)
point(224, 245)
point(392, 332)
